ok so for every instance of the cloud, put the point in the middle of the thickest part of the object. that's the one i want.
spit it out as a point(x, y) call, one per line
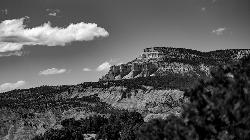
point(14, 34)
point(104, 66)
point(219, 31)
point(86, 69)
point(203, 9)
point(4, 11)
point(53, 12)
point(8, 47)
point(15, 53)
point(52, 71)
point(10, 86)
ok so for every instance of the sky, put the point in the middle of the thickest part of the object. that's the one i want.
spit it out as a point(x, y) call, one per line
point(64, 42)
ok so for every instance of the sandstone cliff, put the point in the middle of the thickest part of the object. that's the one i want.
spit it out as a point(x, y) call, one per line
point(158, 61)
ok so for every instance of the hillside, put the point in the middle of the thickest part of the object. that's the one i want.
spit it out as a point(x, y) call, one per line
point(29, 112)
point(218, 108)
point(152, 84)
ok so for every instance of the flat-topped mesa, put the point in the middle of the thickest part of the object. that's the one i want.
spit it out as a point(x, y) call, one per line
point(160, 61)
point(154, 52)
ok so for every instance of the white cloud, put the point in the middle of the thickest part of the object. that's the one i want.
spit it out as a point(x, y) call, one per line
point(203, 9)
point(219, 31)
point(86, 69)
point(15, 53)
point(52, 71)
point(14, 34)
point(8, 47)
point(10, 86)
point(53, 12)
point(104, 66)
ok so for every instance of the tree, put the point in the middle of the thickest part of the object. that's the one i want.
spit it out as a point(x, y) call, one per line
point(220, 108)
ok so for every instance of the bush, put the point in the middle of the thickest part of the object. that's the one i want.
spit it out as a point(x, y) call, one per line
point(220, 108)
point(121, 126)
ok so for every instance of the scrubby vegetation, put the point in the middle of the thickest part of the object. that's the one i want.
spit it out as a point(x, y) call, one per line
point(212, 58)
point(219, 109)
point(122, 125)
point(43, 103)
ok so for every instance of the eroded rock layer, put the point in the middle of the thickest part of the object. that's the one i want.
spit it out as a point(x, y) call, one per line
point(158, 61)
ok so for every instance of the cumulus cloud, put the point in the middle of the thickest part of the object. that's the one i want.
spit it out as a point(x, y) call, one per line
point(86, 69)
point(14, 34)
point(10, 86)
point(53, 12)
point(219, 31)
point(52, 71)
point(104, 66)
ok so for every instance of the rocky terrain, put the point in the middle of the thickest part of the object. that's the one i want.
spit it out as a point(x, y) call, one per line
point(159, 61)
point(26, 113)
point(152, 84)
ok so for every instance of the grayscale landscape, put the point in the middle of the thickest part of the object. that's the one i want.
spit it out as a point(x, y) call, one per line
point(124, 70)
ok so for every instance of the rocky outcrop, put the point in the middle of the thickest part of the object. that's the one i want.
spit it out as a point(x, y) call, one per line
point(158, 61)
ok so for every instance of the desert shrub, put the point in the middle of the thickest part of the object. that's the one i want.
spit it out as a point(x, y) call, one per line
point(109, 132)
point(122, 125)
point(129, 124)
point(173, 128)
point(153, 130)
point(61, 134)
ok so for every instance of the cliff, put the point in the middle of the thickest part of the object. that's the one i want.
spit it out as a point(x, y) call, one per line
point(159, 61)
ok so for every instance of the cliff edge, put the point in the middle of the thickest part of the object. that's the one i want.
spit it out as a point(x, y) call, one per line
point(160, 61)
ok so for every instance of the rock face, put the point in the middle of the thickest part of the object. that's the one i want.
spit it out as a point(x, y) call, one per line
point(158, 61)
point(148, 101)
